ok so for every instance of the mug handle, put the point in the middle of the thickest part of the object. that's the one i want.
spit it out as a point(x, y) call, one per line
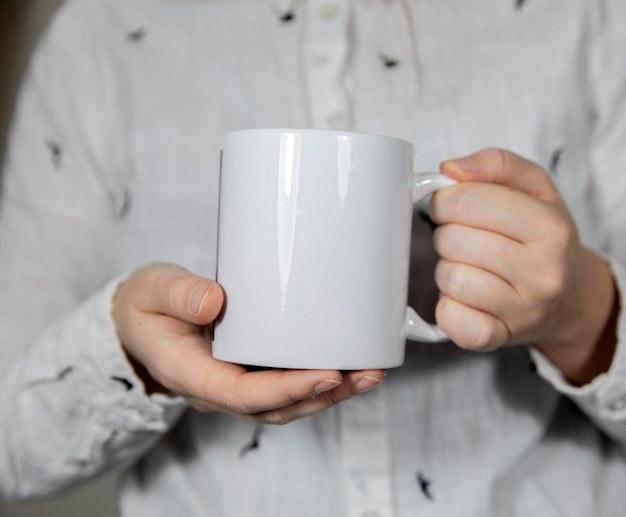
point(423, 184)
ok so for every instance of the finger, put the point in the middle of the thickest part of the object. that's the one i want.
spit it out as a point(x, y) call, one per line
point(362, 381)
point(189, 369)
point(490, 207)
point(173, 291)
point(255, 392)
point(504, 168)
point(477, 288)
point(470, 328)
point(490, 251)
point(353, 384)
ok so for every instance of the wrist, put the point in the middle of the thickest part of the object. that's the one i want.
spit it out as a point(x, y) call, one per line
point(583, 345)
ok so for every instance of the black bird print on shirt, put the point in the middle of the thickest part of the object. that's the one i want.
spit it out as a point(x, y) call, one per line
point(389, 62)
point(254, 443)
point(555, 160)
point(137, 35)
point(424, 484)
point(287, 16)
point(56, 153)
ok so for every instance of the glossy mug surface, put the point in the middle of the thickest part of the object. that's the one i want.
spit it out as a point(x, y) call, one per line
point(313, 251)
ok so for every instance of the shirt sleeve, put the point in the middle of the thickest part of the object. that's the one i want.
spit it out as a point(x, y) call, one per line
point(604, 399)
point(71, 404)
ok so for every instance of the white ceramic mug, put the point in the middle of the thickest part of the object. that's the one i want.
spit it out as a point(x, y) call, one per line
point(313, 251)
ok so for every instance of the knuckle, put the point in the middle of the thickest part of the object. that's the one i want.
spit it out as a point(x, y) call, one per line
point(450, 278)
point(277, 417)
point(558, 232)
point(238, 405)
point(238, 409)
point(480, 336)
point(535, 316)
point(330, 398)
point(170, 291)
point(553, 277)
point(461, 206)
point(457, 281)
point(293, 398)
point(501, 252)
point(444, 240)
point(499, 157)
point(479, 340)
point(454, 204)
point(177, 290)
point(553, 283)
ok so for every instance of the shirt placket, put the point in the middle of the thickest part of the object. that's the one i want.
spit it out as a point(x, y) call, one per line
point(363, 420)
point(326, 52)
point(366, 455)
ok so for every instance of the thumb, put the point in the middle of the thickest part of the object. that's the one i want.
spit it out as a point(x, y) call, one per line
point(505, 168)
point(173, 291)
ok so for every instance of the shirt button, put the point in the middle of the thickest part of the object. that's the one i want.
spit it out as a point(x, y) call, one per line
point(336, 120)
point(318, 60)
point(618, 404)
point(370, 513)
point(329, 10)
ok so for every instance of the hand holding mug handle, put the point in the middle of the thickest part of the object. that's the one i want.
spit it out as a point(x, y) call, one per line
point(422, 185)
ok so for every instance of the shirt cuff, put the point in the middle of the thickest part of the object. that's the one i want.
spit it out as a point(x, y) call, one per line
point(87, 409)
point(114, 381)
point(81, 361)
point(604, 398)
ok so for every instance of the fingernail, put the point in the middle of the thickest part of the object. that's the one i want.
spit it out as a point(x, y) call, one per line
point(197, 298)
point(325, 385)
point(367, 383)
point(462, 164)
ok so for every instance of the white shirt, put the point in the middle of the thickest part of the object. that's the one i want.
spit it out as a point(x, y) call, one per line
point(113, 162)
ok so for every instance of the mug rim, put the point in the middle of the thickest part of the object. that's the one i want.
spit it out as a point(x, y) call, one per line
point(330, 132)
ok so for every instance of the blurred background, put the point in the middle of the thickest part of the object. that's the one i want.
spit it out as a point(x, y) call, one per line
point(21, 22)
